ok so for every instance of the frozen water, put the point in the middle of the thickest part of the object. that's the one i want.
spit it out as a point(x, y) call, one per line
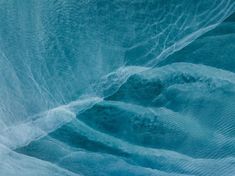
point(117, 87)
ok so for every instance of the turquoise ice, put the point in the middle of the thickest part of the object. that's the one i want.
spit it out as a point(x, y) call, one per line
point(117, 87)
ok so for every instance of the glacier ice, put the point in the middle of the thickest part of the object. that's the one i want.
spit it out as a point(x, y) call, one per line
point(99, 87)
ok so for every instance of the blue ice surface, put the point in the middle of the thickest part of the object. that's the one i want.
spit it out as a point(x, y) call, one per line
point(117, 87)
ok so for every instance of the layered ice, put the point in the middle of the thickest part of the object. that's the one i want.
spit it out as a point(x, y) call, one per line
point(98, 87)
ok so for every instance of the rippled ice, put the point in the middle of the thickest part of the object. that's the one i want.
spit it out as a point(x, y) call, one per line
point(117, 87)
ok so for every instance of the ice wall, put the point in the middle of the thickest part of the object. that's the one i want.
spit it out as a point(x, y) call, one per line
point(121, 87)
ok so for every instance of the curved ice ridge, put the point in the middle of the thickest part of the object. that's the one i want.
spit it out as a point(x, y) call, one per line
point(44, 123)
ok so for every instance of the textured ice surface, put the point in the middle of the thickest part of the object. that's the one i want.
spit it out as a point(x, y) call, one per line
point(117, 87)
